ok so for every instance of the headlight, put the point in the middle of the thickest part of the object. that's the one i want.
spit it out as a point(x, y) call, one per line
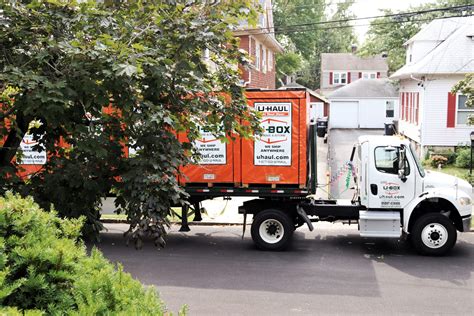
point(464, 201)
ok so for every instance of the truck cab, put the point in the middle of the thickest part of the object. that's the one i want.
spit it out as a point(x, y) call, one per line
point(430, 205)
point(394, 197)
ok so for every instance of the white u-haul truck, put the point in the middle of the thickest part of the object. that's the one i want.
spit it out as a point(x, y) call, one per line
point(394, 195)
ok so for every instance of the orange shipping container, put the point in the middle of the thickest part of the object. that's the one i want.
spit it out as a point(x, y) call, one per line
point(277, 157)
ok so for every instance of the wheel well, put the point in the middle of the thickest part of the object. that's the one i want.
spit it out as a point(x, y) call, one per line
point(256, 206)
point(436, 205)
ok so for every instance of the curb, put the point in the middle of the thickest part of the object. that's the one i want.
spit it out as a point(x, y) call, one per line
point(122, 221)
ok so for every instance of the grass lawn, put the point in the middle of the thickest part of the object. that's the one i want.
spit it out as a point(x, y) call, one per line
point(462, 173)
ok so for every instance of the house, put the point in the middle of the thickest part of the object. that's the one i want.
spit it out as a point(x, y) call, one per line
point(364, 103)
point(340, 69)
point(437, 58)
point(262, 46)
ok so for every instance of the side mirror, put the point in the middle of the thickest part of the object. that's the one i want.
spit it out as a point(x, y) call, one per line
point(401, 164)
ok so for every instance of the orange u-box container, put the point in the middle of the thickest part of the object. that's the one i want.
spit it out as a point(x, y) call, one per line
point(278, 157)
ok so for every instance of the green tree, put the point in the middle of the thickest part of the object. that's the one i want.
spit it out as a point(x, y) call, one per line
point(296, 22)
point(466, 87)
point(64, 62)
point(388, 34)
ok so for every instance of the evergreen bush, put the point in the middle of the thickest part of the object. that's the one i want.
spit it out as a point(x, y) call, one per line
point(463, 158)
point(45, 269)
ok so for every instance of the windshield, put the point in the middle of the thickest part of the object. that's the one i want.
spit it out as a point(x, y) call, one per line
point(417, 161)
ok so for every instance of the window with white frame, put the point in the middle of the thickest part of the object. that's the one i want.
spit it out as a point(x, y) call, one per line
point(463, 112)
point(264, 59)
point(369, 75)
point(389, 109)
point(340, 78)
point(257, 55)
point(270, 60)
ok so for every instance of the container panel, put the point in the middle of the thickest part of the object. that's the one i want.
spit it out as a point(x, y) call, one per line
point(274, 156)
point(218, 161)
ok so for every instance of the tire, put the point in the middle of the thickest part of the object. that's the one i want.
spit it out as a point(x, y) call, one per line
point(272, 230)
point(433, 235)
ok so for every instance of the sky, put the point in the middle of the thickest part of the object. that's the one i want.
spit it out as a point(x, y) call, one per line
point(366, 8)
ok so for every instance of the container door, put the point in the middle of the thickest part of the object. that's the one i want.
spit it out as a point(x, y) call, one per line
point(274, 156)
point(217, 164)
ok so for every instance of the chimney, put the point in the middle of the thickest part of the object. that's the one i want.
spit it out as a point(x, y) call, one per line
point(354, 48)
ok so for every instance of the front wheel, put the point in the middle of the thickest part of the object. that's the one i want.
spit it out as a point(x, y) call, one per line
point(433, 234)
point(272, 230)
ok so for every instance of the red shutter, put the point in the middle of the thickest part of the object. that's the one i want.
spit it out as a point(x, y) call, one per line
point(378, 74)
point(402, 106)
point(417, 107)
point(349, 77)
point(360, 75)
point(409, 106)
point(330, 78)
point(406, 106)
point(451, 117)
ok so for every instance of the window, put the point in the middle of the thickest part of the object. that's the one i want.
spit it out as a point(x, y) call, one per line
point(270, 60)
point(369, 75)
point(264, 59)
point(257, 55)
point(389, 109)
point(463, 112)
point(340, 78)
point(386, 160)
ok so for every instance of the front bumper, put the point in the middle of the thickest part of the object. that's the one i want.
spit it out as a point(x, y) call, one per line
point(466, 224)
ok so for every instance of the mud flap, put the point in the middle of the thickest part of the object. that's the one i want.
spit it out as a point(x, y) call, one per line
point(304, 216)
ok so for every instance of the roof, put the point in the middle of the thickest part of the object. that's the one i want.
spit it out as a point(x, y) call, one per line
point(348, 61)
point(453, 55)
point(294, 85)
point(367, 88)
point(437, 30)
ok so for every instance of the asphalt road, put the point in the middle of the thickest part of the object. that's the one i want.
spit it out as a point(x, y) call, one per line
point(328, 271)
point(340, 142)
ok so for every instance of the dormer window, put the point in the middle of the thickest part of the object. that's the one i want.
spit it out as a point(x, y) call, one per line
point(340, 78)
point(369, 75)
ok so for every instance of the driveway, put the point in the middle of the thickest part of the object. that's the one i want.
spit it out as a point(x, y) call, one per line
point(328, 271)
point(340, 142)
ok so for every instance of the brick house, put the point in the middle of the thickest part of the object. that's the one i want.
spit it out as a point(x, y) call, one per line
point(340, 69)
point(262, 46)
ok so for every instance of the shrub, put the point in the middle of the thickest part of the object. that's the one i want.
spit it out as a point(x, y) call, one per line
point(437, 160)
point(463, 159)
point(45, 269)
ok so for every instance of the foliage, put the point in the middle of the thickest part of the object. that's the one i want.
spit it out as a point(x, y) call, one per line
point(438, 160)
point(64, 61)
point(388, 34)
point(463, 159)
point(44, 269)
point(312, 40)
point(288, 63)
point(466, 87)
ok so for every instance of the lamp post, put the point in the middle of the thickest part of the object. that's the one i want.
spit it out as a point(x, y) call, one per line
point(470, 165)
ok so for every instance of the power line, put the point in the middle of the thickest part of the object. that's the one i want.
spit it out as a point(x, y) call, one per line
point(394, 15)
point(360, 25)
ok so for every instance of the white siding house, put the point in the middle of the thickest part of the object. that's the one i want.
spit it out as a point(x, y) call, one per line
point(438, 57)
point(364, 103)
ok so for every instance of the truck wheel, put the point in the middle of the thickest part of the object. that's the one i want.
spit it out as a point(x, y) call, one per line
point(272, 230)
point(433, 234)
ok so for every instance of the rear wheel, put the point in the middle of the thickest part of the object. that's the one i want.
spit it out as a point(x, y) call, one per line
point(272, 230)
point(433, 234)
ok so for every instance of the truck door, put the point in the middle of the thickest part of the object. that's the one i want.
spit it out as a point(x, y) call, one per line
point(386, 189)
